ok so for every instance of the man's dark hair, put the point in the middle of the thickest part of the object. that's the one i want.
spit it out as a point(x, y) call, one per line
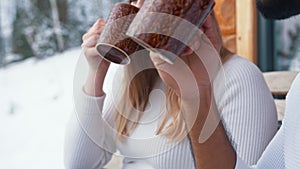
point(278, 9)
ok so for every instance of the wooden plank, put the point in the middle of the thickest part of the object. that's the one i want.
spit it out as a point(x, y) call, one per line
point(246, 28)
point(280, 106)
point(225, 14)
point(279, 82)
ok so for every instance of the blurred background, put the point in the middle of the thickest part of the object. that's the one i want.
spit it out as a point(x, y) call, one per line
point(40, 44)
point(278, 44)
point(39, 47)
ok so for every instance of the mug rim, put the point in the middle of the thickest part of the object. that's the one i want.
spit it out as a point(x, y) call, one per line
point(128, 60)
point(126, 3)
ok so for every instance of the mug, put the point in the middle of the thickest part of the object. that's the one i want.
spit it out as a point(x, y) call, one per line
point(113, 44)
point(167, 26)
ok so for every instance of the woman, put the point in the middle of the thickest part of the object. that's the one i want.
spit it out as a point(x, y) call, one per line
point(147, 126)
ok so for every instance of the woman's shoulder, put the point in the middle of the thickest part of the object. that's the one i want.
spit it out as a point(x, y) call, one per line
point(239, 68)
point(238, 63)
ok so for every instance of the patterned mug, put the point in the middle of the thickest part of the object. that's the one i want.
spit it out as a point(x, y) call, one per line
point(114, 45)
point(167, 26)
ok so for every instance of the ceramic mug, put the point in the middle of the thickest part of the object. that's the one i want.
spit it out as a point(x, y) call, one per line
point(166, 26)
point(113, 44)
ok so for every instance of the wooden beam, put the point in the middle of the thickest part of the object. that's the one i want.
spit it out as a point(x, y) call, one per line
point(246, 27)
point(226, 17)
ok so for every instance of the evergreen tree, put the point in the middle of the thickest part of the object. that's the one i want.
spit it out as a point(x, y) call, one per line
point(81, 15)
point(41, 28)
point(20, 44)
point(33, 31)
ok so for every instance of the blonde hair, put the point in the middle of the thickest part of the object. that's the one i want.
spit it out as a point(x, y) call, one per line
point(135, 97)
point(138, 90)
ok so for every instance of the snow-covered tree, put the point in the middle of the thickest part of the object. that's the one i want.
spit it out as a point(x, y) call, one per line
point(81, 15)
point(43, 27)
point(20, 40)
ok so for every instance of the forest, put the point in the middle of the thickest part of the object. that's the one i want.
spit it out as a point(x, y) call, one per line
point(42, 28)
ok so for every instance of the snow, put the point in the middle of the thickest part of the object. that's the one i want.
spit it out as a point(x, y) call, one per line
point(36, 102)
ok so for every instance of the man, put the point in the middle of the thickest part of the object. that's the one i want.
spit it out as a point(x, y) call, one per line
point(217, 152)
point(284, 150)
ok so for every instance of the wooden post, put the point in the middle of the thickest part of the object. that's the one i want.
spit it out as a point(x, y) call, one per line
point(246, 21)
point(225, 12)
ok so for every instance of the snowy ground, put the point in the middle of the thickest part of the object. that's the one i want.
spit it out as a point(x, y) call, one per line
point(36, 102)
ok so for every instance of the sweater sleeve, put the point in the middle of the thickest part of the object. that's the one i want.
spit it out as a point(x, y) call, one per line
point(247, 109)
point(88, 144)
point(273, 156)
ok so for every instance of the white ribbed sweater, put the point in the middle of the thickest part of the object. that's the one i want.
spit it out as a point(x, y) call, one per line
point(246, 107)
point(283, 152)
